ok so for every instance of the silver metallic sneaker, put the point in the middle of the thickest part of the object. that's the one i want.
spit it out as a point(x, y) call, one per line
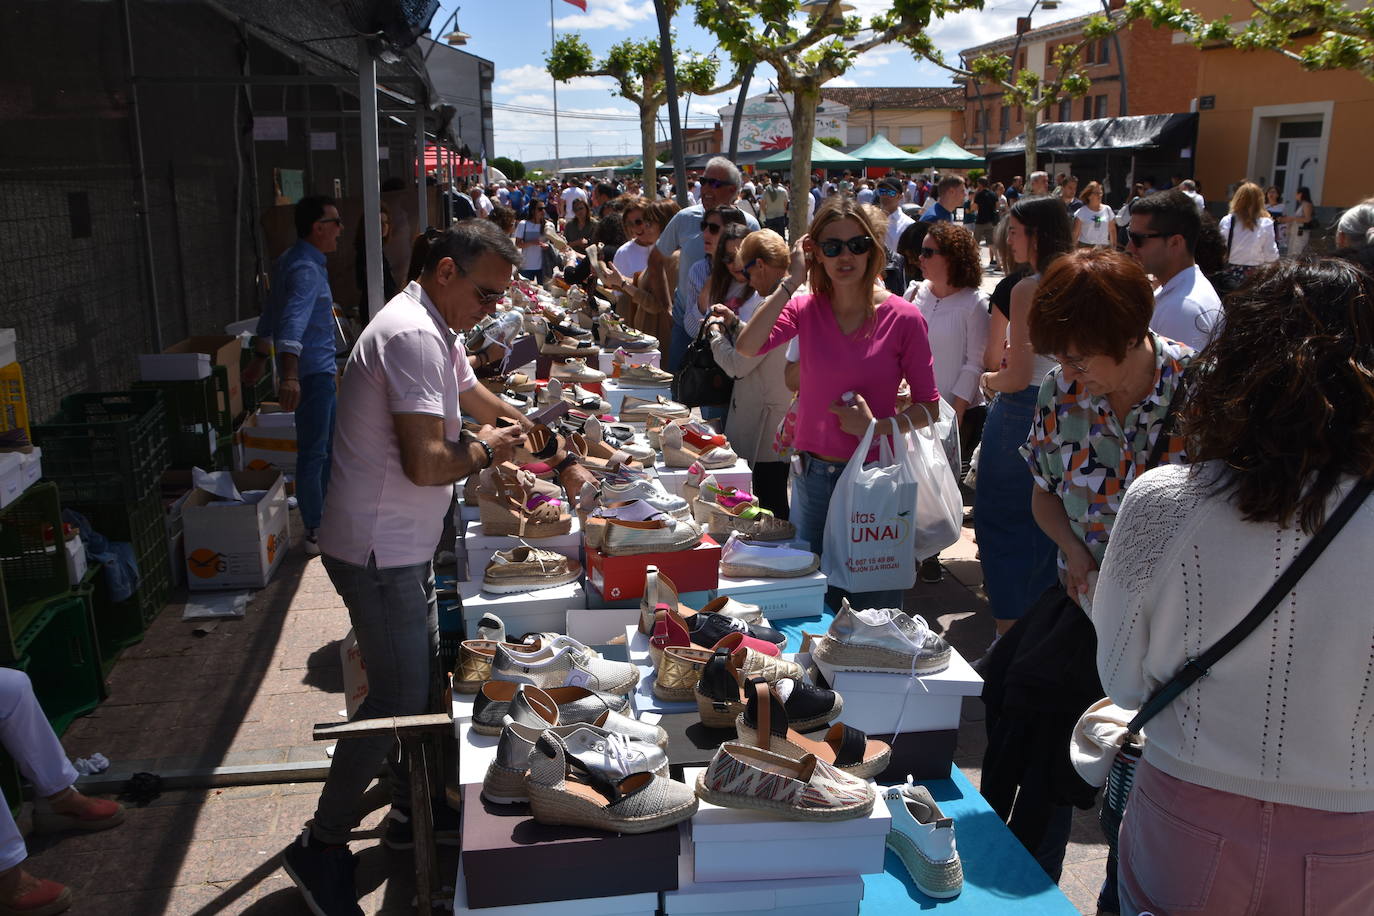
point(497, 700)
point(882, 640)
point(536, 708)
point(564, 662)
point(609, 755)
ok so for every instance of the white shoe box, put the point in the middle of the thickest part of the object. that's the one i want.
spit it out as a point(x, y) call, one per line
point(837, 896)
point(615, 395)
point(480, 547)
point(625, 905)
point(461, 707)
point(637, 358)
point(674, 479)
point(475, 752)
point(887, 704)
point(780, 599)
point(741, 844)
point(600, 625)
point(541, 611)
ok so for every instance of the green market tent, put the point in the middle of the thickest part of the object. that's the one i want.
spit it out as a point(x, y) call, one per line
point(946, 154)
point(822, 156)
point(638, 166)
point(880, 152)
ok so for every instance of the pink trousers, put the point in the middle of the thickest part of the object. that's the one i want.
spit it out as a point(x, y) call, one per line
point(1190, 849)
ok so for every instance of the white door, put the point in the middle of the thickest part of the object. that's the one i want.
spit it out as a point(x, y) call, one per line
point(1297, 159)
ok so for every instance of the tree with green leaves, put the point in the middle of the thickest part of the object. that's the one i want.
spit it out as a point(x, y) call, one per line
point(808, 53)
point(1025, 89)
point(511, 168)
point(637, 68)
point(1316, 34)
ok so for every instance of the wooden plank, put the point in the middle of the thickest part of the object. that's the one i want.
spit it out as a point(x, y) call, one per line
point(390, 725)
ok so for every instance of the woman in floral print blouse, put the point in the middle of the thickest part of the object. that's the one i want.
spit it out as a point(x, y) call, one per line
point(1100, 413)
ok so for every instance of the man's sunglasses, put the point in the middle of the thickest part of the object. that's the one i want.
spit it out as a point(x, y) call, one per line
point(859, 244)
point(1138, 239)
point(331, 219)
point(485, 296)
point(887, 192)
point(717, 183)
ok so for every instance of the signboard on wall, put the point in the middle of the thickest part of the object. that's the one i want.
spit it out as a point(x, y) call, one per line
point(323, 140)
point(269, 128)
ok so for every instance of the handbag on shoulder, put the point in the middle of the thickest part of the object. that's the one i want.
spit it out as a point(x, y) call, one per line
point(701, 382)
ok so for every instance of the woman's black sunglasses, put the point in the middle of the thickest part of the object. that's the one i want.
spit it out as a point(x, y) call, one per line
point(859, 244)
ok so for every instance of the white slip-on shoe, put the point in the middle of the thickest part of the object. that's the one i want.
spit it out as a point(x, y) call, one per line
point(923, 838)
point(743, 559)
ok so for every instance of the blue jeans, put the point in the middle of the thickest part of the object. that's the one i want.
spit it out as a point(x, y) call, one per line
point(811, 492)
point(396, 622)
point(531, 275)
point(677, 344)
point(1018, 558)
point(314, 438)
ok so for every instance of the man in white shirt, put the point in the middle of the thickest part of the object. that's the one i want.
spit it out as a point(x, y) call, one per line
point(1163, 235)
point(865, 192)
point(1189, 187)
point(570, 194)
point(889, 196)
point(481, 201)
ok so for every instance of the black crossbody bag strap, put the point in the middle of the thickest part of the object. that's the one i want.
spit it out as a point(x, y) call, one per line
point(1196, 668)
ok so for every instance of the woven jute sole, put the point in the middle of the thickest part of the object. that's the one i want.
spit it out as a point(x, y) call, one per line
point(746, 571)
point(712, 717)
point(940, 880)
point(484, 728)
point(681, 458)
point(726, 800)
point(508, 588)
point(467, 686)
point(865, 769)
point(632, 548)
point(496, 522)
point(843, 657)
point(549, 806)
point(674, 694)
point(503, 786)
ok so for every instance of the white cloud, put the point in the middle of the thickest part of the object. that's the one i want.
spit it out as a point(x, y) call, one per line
point(975, 27)
point(534, 77)
point(605, 14)
point(881, 56)
point(841, 82)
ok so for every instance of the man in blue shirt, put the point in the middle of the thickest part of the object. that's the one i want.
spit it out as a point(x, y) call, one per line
point(299, 320)
point(951, 193)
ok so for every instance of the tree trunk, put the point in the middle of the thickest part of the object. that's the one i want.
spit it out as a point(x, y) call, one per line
point(1032, 118)
point(647, 142)
point(805, 101)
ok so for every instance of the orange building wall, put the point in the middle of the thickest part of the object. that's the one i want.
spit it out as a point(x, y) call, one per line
point(1162, 76)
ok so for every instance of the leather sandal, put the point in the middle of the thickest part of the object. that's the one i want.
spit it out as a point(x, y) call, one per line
point(764, 724)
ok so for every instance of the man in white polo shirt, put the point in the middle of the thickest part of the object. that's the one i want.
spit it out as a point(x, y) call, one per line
point(1163, 235)
point(399, 447)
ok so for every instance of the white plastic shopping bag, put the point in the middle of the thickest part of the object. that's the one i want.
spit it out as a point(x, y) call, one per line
point(939, 504)
point(868, 543)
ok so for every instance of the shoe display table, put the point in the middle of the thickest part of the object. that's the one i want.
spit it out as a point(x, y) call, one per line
point(615, 395)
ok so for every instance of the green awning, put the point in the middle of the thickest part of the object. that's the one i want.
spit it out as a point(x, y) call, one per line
point(880, 151)
point(946, 154)
point(821, 155)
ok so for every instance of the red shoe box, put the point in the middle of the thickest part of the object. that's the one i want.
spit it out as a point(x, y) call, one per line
point(619, 578)
point(510, 859)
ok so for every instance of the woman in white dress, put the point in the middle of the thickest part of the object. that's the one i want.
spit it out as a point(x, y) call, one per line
point(1092, 222)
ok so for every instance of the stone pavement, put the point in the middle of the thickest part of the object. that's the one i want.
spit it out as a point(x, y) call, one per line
point(248, 692)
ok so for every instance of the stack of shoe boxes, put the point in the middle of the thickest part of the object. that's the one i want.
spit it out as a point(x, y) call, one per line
point(617, 579)
point(918, 716)
point(739, 861)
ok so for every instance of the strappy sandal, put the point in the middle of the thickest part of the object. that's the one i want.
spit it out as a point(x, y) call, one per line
point(513, 510)
point(678, 453)
point(545, 450)
point(764, 724)
point(750, 521)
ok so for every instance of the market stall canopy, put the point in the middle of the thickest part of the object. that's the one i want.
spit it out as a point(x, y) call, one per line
point(881, 151)
point(946, 154)
point(821, 155)
point(638, 166)
point(1133, 132)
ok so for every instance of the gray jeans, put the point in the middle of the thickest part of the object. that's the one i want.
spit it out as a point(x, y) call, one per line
point(396, 622)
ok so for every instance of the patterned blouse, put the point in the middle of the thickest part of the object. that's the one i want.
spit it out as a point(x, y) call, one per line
point(1079, 450)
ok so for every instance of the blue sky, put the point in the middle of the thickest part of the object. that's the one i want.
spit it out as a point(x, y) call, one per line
point(515, 35)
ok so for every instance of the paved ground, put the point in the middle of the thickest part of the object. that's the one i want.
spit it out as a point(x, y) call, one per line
point(248, 692)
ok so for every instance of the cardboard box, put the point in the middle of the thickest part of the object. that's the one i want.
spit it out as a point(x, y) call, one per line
point(236, 546)
point(268, 443)
point(837, 896)
point(642, 358)
point(619, 578)
point(192, 359)
point(509, 859)
point(892, 703)
point(480, 547)
point(645, 904)
point(542, 611)
point(739, 477)
point(780, 599)
point(738, 844)
point(691, 599)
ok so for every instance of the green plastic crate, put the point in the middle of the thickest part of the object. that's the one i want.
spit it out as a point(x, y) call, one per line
point(117, 626)
point(33, 565)
point(61, 661)
point(199, 423)
point(255, 395)
point(106, 446)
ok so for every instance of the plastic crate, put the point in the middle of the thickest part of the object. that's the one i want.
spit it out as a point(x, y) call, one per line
point(116, 626)
point(196, 403)
point(105, 447)
point(142, 523)
point(87, 590)
point(61, 661)
point(14, 403)
point(193, 450)
point(33, 565)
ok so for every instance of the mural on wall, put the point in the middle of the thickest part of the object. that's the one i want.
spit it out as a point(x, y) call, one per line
point(767, 125)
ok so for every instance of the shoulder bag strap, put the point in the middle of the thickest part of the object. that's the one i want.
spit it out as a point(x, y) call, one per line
point(1230, 235)
point(1196, 668)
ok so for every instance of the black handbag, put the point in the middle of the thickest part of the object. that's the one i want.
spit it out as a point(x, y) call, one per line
point(700, 381)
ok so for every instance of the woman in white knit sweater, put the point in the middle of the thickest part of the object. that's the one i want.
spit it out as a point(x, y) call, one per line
point(1256, 789)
